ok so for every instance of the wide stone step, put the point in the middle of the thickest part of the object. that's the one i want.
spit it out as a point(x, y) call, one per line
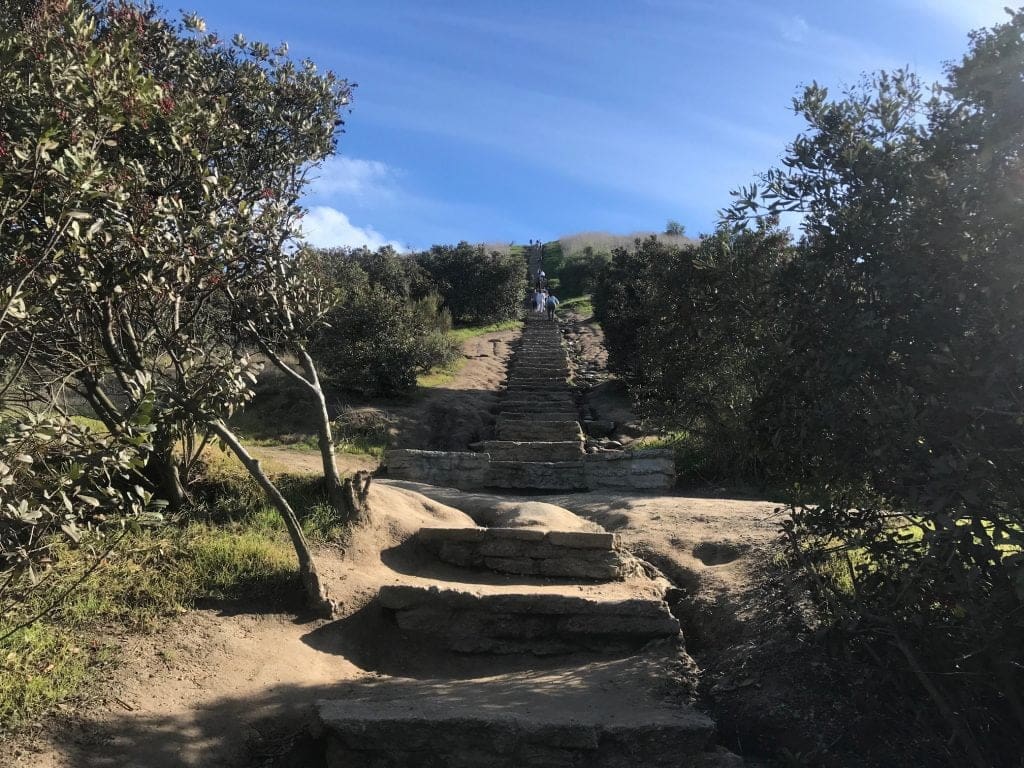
point(537, 475)
point(528, 368)
point(530, 552)
point(508, 450)
point(547, 415)
point(538, 430)
point(604, 715)
point(548, 394)
point(541, 623)
point(557, 386)
point(534, 377)
point(539, 404)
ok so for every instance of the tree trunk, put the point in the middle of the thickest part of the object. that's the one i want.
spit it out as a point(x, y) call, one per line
point(316, 593)
point(163, 471)
point(325, 438)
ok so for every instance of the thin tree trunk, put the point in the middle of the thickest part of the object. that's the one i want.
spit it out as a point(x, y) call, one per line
point(325, 441)
point(316, 592)
point(163, 471)
point(337, 494)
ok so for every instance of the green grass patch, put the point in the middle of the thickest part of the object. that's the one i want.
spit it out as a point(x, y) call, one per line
point(443, 375)
point(232, 546)
point(362, 445)
point(581, 305)
point(152, 574)
point(686, 451)
point(461, 335)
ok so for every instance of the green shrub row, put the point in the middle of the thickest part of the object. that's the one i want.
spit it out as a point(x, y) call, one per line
point(874, 367)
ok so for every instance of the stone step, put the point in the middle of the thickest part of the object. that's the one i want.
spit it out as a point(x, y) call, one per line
point(541, 623)
point(527, 362)
point(537, 475)
point(538, 430)
point(533, 384)
point(537, 377)
point(544, 394)
point(603, 715)
point(508, 450)
point(540, 366)
point(513, 402)
point(548, 415)
point(556, 385)
point(530, 552)
point(561, 396)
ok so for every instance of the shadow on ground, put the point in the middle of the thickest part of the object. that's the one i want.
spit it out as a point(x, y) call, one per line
point(370, 639)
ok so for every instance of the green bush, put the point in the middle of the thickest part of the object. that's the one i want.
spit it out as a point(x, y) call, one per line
point(377, 342)
point(476, 287)
point(623, 306)
point(578, 275)
point(874, 368)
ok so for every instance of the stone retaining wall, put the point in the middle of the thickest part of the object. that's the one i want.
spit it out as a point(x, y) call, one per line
point(528, 551)
point(644, 469)
point(641, 470)
point(537, 623)
point(450, 469)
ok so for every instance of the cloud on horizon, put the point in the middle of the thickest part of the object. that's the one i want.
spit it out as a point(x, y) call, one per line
point(327, 227)
point(353, 177)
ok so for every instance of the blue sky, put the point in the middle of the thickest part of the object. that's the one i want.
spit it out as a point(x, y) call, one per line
point(505, 121)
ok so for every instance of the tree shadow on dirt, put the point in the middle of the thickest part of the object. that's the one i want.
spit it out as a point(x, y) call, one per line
point(272, 730)
point(371, 639)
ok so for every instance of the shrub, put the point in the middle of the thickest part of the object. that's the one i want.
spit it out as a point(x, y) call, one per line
point(703, 364)
point(476, 287)
point(578, 274)
point(378, 342)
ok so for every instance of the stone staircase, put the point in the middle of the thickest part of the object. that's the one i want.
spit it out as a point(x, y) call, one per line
point(577, 661)
point(573, 655)
point(538, 441)
point(540, 444)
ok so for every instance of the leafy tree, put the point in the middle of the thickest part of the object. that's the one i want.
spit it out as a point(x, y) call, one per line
point(398, 274)
point(578, 274)
point(897, 403)
point(622, 303)
point(376, 342)
point(167, 167)
point(476, 286)
point(673, 227)
point(703, 363)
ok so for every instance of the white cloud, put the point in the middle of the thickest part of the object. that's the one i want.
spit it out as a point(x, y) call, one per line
point(327, 227)
point(795, 29)
point(353, 177)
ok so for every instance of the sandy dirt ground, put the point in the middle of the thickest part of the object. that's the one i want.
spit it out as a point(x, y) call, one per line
point(234, 684)
point(294, 461)
point(452, 416)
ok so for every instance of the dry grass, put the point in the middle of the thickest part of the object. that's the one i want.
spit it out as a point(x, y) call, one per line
point(606, 241)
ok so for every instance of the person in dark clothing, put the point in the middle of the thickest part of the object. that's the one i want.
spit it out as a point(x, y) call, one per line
point(551, 303)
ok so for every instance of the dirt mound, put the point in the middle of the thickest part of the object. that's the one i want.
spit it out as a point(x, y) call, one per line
point(500, 511)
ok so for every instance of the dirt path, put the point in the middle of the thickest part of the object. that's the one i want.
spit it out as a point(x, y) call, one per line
point(234, 685)
point(452, 416)
point(281, 459)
